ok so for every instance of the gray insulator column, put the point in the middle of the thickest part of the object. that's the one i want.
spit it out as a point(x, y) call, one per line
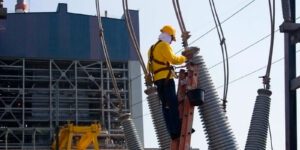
point(218, 131)
point(157, 118)
point(258, 132)
point(131, 135)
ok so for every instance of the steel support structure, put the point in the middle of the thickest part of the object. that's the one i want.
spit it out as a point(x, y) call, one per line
point(38, 95)
point(290, 94)
point(291, 37)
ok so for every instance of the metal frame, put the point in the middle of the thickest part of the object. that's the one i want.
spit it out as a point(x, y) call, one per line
point(37, 95)
point(291, 31)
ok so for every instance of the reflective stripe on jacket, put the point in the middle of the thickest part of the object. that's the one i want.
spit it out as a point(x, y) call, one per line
point(163, 53)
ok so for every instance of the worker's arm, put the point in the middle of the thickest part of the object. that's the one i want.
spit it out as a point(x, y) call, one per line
point(170, 56)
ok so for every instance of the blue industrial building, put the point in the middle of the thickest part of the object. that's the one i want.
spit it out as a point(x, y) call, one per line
point(52, 71)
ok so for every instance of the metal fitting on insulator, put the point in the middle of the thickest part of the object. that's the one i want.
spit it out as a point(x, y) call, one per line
point(131, 136)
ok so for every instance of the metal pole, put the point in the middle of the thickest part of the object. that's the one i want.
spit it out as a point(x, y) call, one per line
point(33, 138)
point(23, 101)
point(57, 137)
point(6, 138)
point(102, 94)
point(57, 116)
point(76, 94)
point(50, 99)
point(290, 95)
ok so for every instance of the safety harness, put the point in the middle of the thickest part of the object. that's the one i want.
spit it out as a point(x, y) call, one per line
point(152, 59)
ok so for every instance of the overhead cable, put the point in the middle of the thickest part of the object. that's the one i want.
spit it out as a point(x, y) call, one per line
point(153, 98)
point(246, 48)
point(242, 8)
point(107, 59)
point(228, 18)
point(232, 81)
point(250, 73)
point(184, 33)
point(266, 78)
point(179, 15)
point(223, 49)
point(132, 35)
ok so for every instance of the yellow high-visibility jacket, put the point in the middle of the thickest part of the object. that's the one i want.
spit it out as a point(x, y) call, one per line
point(163, 52)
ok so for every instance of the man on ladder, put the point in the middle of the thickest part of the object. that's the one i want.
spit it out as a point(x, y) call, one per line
point(161, 58)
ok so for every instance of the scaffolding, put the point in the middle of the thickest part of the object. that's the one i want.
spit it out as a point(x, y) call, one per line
point(38, 95)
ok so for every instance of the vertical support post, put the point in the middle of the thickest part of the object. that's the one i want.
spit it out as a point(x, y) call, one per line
point(50, 99)
point(102, 95)
point(57, 137)
point(76, 94)
point(33, 138)
point(23, 101)
point(6, 138)
point(108, 113)
point(290, 95)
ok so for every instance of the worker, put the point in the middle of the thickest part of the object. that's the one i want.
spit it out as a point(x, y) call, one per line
point(161, 58)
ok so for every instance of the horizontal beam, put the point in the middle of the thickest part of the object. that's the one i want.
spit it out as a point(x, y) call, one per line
point(293, 29)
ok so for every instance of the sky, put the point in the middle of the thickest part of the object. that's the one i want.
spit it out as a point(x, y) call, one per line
point(244, 33)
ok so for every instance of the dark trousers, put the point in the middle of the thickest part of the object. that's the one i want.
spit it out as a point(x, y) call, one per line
point(167, 94)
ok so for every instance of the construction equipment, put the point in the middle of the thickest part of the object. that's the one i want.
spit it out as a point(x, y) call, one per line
point(87, 135)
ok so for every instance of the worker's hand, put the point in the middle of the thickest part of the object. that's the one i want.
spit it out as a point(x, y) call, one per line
point(190, 52)
point(148, 79)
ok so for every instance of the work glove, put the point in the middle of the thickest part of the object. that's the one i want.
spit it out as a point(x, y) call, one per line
point(190, 52)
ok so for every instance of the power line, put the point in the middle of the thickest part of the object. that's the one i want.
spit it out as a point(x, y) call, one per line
point(248, 74)
point(209, 30)
point(238, 11)
point(242, 50)
point(212, 30)
point(246, 48)
point(223, 50)
point(235, 54)
point(235, 80)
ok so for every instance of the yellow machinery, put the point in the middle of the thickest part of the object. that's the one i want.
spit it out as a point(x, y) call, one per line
point(87, 135)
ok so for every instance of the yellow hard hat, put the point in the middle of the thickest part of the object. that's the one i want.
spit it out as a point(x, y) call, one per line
point(170, 30)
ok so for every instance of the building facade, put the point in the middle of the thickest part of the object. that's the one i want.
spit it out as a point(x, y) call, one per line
point(52, 71)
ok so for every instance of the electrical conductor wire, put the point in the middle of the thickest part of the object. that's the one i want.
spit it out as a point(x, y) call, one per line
point(107, 59)
point(132, 35)
point(223, 49)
